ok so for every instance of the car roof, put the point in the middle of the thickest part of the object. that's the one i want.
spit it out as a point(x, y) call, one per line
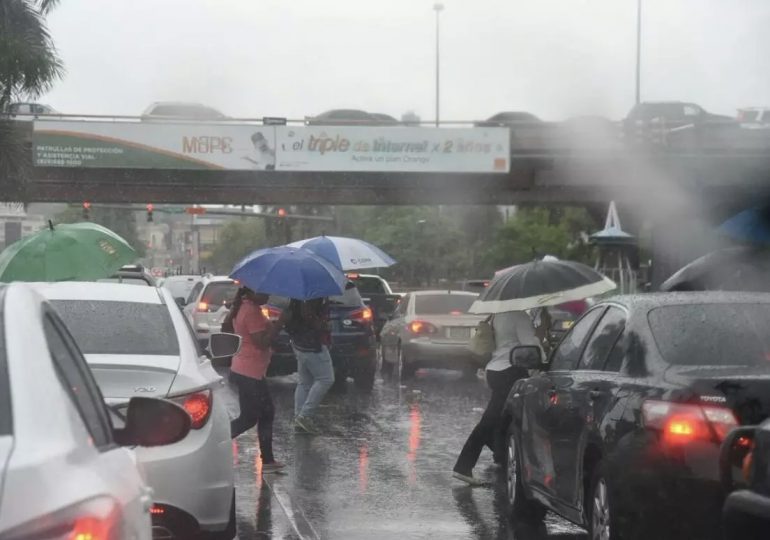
point(443, 291)
point(215, 279)
point(87, 290)
point(652, 300)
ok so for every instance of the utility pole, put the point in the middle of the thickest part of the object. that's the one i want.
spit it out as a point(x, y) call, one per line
point(638, 50)
point(438, 8)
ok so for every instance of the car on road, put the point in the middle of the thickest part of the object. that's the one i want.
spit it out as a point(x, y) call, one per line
point(649, 121)
point(208, 304)
point(528, 132)
point(180, 287)
point(622, 429)
point(350, 117)
point(430, 329)
point(180, 110)
point(353, 349)
point(29, 111)
point(754, 117)
point(377, 294)
point(746, 513)
point(65, 470)
point(137, 343)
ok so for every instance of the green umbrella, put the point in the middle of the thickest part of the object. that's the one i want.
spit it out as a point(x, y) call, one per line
point(76, 252)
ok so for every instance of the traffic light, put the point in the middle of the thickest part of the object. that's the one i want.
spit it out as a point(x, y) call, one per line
point(150, 208)
point(86, 211)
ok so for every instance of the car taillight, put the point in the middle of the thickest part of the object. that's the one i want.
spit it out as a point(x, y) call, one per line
point(681, 423)
point(203, 306)
point(271, 313)
point(363, 315)
point(197, 405)
point(422, 327)
point(95, 519)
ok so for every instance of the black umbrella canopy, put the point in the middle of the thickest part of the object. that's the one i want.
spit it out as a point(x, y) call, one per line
point(541, 283)
point(744, 268)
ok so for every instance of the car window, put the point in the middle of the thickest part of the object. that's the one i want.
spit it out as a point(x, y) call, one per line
point(77, 378)
point(401, 306)
point(691, 110)
point(107, 327)
point(194, 293)
point(442, 304)
point(351, 298)
point(713, 334)
point(219, 293)
point(617, 354)
point(566, 355)
point(370, 285)
point(602, 340)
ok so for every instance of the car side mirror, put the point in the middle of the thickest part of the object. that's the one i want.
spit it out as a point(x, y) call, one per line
point(153, 422)
point(527, 357)
point(180, 301)
point(224, 345)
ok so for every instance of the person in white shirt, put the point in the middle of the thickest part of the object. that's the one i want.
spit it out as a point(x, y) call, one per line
point(511, 328)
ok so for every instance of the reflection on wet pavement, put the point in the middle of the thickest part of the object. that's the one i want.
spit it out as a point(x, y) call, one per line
point(381, 470)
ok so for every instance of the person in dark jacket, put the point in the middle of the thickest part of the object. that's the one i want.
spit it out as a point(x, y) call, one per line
point(307, 325)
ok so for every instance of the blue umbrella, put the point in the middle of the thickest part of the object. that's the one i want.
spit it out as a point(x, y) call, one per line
point(347, 253)
point(289, 272)
point(751, 226)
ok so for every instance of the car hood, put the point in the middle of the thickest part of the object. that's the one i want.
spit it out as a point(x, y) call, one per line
point(121, 376)
point(746, 390)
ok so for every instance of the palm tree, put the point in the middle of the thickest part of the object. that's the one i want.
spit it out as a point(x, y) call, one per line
point(29, 65)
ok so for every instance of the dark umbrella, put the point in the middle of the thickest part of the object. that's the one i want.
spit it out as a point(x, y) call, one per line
point(743, 268)
point(541, 283)
point(751, 226)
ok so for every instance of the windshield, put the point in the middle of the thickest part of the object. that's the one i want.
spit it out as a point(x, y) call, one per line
point(106, 327)
point(442, 304)
point(713, 334)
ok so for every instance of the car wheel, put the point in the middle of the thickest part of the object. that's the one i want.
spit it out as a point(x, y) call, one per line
point(602, 523)
point(520, 507)
point(405, 371)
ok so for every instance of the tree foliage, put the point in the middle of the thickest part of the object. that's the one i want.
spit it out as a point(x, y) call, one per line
point(236, 240)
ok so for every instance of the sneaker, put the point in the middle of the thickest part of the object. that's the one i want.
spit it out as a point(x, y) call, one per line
point(303, 424)
point(272, 467)
point(468, 479)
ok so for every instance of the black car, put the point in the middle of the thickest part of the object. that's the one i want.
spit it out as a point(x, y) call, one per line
point(648, 121)
point(746, 514)
point(353, 348)
point(622, 430)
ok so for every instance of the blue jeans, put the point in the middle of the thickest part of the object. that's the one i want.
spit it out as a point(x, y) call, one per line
point(316, 376)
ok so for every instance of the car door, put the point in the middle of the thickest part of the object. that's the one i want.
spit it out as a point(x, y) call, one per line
point(548, 423)
point(594, 392)
point(116, 465)
point(392, 329)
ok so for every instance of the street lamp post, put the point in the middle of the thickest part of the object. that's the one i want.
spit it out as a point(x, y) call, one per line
point(638, 50)
point(438, 8)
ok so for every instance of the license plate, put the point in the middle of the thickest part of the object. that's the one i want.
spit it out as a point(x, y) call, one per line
point(460, 333)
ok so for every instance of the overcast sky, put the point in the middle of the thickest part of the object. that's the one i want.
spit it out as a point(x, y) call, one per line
point(555, 58)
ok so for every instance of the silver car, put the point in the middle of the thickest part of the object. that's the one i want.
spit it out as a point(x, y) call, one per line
point(429, 329)
point(137, 343)
point(208, 305)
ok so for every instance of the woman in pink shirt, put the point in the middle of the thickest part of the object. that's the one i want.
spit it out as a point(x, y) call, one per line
point(248, 372)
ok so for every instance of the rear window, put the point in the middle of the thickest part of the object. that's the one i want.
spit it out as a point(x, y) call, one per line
point(217, 294)
point(713, 334)
point(105, 327)
point(370, 285)
point(442, 304)
point(180, 288)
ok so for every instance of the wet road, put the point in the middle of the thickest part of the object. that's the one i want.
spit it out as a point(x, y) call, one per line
point(381, 470)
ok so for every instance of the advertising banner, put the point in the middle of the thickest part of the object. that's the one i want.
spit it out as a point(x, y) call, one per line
point(155, 145)
point(392, 149)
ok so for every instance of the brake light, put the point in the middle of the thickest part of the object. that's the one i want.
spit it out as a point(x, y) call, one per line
point(197, 405)
point(203, 306)
point(94, 519)
point(422, 327)
point(681, 423)
point(157, 510)
point(353, 276)
point(363, 315)
point(271, 313)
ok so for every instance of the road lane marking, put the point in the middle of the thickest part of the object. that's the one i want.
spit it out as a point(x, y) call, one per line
point(288, 507)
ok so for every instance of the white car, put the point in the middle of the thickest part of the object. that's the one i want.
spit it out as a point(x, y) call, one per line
point(180, 287)
point(62, 473)
point(208, 305)
point(754, 117)
point(137, 343)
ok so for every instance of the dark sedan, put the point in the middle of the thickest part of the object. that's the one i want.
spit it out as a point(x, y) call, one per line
point(621, 432)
